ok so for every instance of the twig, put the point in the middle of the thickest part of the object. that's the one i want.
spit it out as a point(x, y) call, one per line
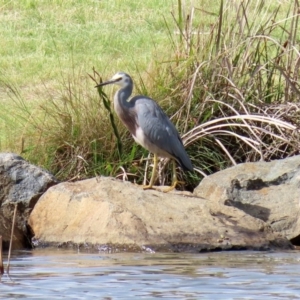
point(1, 258)
point(146, 169)
point(11, 238)
point(226, 151)
point(106, 103)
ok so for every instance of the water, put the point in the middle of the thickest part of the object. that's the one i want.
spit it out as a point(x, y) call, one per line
point(62, 274)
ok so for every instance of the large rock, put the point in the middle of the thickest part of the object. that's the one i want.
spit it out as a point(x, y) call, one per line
point(22, 184)
point(106, 213)
point(269, 191)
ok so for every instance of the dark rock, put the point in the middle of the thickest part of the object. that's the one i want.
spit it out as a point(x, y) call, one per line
point(22, 184)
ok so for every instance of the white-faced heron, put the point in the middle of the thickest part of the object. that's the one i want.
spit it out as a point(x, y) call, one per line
point(149, 126)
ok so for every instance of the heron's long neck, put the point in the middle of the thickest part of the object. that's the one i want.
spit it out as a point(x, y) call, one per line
point(124, 109)
point(120, 101)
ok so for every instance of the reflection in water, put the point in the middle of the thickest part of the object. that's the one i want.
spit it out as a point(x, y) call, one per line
point(61, 274)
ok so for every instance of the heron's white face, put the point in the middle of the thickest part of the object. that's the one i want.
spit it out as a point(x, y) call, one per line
point(121, 79)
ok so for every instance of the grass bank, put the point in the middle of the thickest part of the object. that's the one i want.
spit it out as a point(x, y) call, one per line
point(227, 74)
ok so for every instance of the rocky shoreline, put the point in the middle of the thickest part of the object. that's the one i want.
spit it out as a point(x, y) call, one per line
point(251, 206)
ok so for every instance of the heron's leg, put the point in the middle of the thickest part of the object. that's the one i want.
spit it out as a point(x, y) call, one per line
point(174, 177)
point(155, 162)
point(175, 181)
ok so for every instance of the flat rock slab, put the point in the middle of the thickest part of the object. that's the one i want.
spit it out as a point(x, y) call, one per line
point(269, 191)
point(105, 213)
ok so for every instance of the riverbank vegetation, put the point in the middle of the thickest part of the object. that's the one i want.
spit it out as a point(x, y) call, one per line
point(227, 74)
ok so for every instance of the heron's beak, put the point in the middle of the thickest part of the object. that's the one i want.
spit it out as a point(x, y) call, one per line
point(112, 81)
point(105, 83)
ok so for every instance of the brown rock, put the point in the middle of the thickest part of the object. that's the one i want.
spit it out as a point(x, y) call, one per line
point(269, 191)
point(107, 213)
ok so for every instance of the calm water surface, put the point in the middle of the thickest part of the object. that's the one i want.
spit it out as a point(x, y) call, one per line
point(62, 274)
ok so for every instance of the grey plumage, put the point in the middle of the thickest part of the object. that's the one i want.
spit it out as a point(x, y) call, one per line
point(160, 131)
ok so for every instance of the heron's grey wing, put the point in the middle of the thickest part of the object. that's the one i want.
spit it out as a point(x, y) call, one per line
point(160, 131)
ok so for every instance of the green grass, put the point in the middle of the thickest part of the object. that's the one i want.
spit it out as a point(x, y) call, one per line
point(43, 40)
point(202, 63)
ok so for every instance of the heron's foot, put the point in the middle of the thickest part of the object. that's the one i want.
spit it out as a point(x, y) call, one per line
point(145, 187)
point(152, 187)
point(158, 188)
point(148, 187)
point(173, 186)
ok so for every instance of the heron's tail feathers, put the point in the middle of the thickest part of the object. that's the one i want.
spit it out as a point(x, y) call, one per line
point(185, 162)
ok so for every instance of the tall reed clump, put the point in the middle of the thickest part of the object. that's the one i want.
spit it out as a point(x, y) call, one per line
point(235, 84)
